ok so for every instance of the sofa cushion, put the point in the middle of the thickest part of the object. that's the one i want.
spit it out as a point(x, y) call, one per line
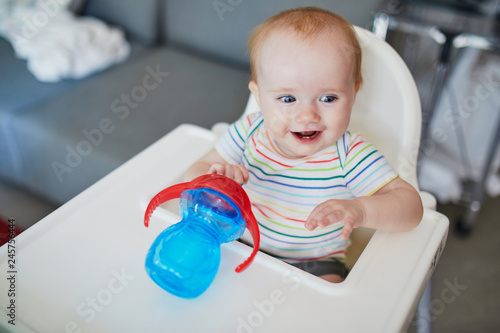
point(221, 27)
point(138, 18)
point(19, 88)
point(66, 144)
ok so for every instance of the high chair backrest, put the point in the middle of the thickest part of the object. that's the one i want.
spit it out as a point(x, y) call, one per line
point(387, 109)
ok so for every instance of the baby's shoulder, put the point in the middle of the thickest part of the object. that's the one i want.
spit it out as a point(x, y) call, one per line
point(350, 138)
point(352, 143)
point(251, 118)
point(249, 122)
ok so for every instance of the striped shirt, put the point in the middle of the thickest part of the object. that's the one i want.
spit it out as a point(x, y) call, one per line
point(284, 191)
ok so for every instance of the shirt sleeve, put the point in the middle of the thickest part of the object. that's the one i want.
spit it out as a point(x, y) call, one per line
point(231, 145)
point(366, 170)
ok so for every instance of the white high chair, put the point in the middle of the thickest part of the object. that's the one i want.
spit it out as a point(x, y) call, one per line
point(81, 269)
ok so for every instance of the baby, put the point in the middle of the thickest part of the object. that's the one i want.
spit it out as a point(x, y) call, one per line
point(310, 181)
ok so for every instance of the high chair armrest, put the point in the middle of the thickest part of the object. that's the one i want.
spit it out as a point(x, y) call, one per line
point(219, 128)
point(428, 200)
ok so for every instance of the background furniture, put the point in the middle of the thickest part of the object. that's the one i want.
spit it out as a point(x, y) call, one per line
point(454, 25)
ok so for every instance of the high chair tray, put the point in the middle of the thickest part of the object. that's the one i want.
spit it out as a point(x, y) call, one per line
point(81, 269)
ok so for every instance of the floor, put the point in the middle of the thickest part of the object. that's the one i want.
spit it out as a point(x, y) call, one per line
point(465, 296)
point(25, 208)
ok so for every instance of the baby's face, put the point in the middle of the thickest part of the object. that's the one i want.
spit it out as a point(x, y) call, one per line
point(305, 90)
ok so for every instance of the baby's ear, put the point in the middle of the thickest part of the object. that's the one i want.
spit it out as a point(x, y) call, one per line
point(254, 89)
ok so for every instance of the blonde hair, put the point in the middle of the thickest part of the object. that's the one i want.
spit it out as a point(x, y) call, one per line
point(306, 22)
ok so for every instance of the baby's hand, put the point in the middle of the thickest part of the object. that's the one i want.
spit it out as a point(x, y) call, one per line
point(238, 173)
point(350, 212)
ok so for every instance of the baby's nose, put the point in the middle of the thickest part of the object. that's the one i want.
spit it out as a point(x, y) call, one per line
point(307, 114)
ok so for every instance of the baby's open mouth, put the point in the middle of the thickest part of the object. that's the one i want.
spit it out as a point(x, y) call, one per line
point(308, 135)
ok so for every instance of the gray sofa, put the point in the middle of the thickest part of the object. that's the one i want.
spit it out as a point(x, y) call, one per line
point(188, 65)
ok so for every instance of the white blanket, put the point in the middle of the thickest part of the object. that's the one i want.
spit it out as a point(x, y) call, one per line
point(63, 46)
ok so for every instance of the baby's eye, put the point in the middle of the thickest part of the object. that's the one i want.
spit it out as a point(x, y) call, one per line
point(328, 99)
point(287, 99)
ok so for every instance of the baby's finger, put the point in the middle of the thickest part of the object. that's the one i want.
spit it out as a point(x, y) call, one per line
point(216, 169)
point(310, 225)
point(312, 220)
point(346, 231)
point(332, 217)
point(242, 174)
point(317, 216)
point(229, 171)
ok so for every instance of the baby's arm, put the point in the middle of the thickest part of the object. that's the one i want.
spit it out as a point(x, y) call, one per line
point(395, 207)
point(213, 163)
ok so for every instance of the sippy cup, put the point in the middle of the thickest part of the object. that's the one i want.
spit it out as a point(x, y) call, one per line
point(185, 257)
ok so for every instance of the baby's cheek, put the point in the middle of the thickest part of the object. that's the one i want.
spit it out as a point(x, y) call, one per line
point(277, 125)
